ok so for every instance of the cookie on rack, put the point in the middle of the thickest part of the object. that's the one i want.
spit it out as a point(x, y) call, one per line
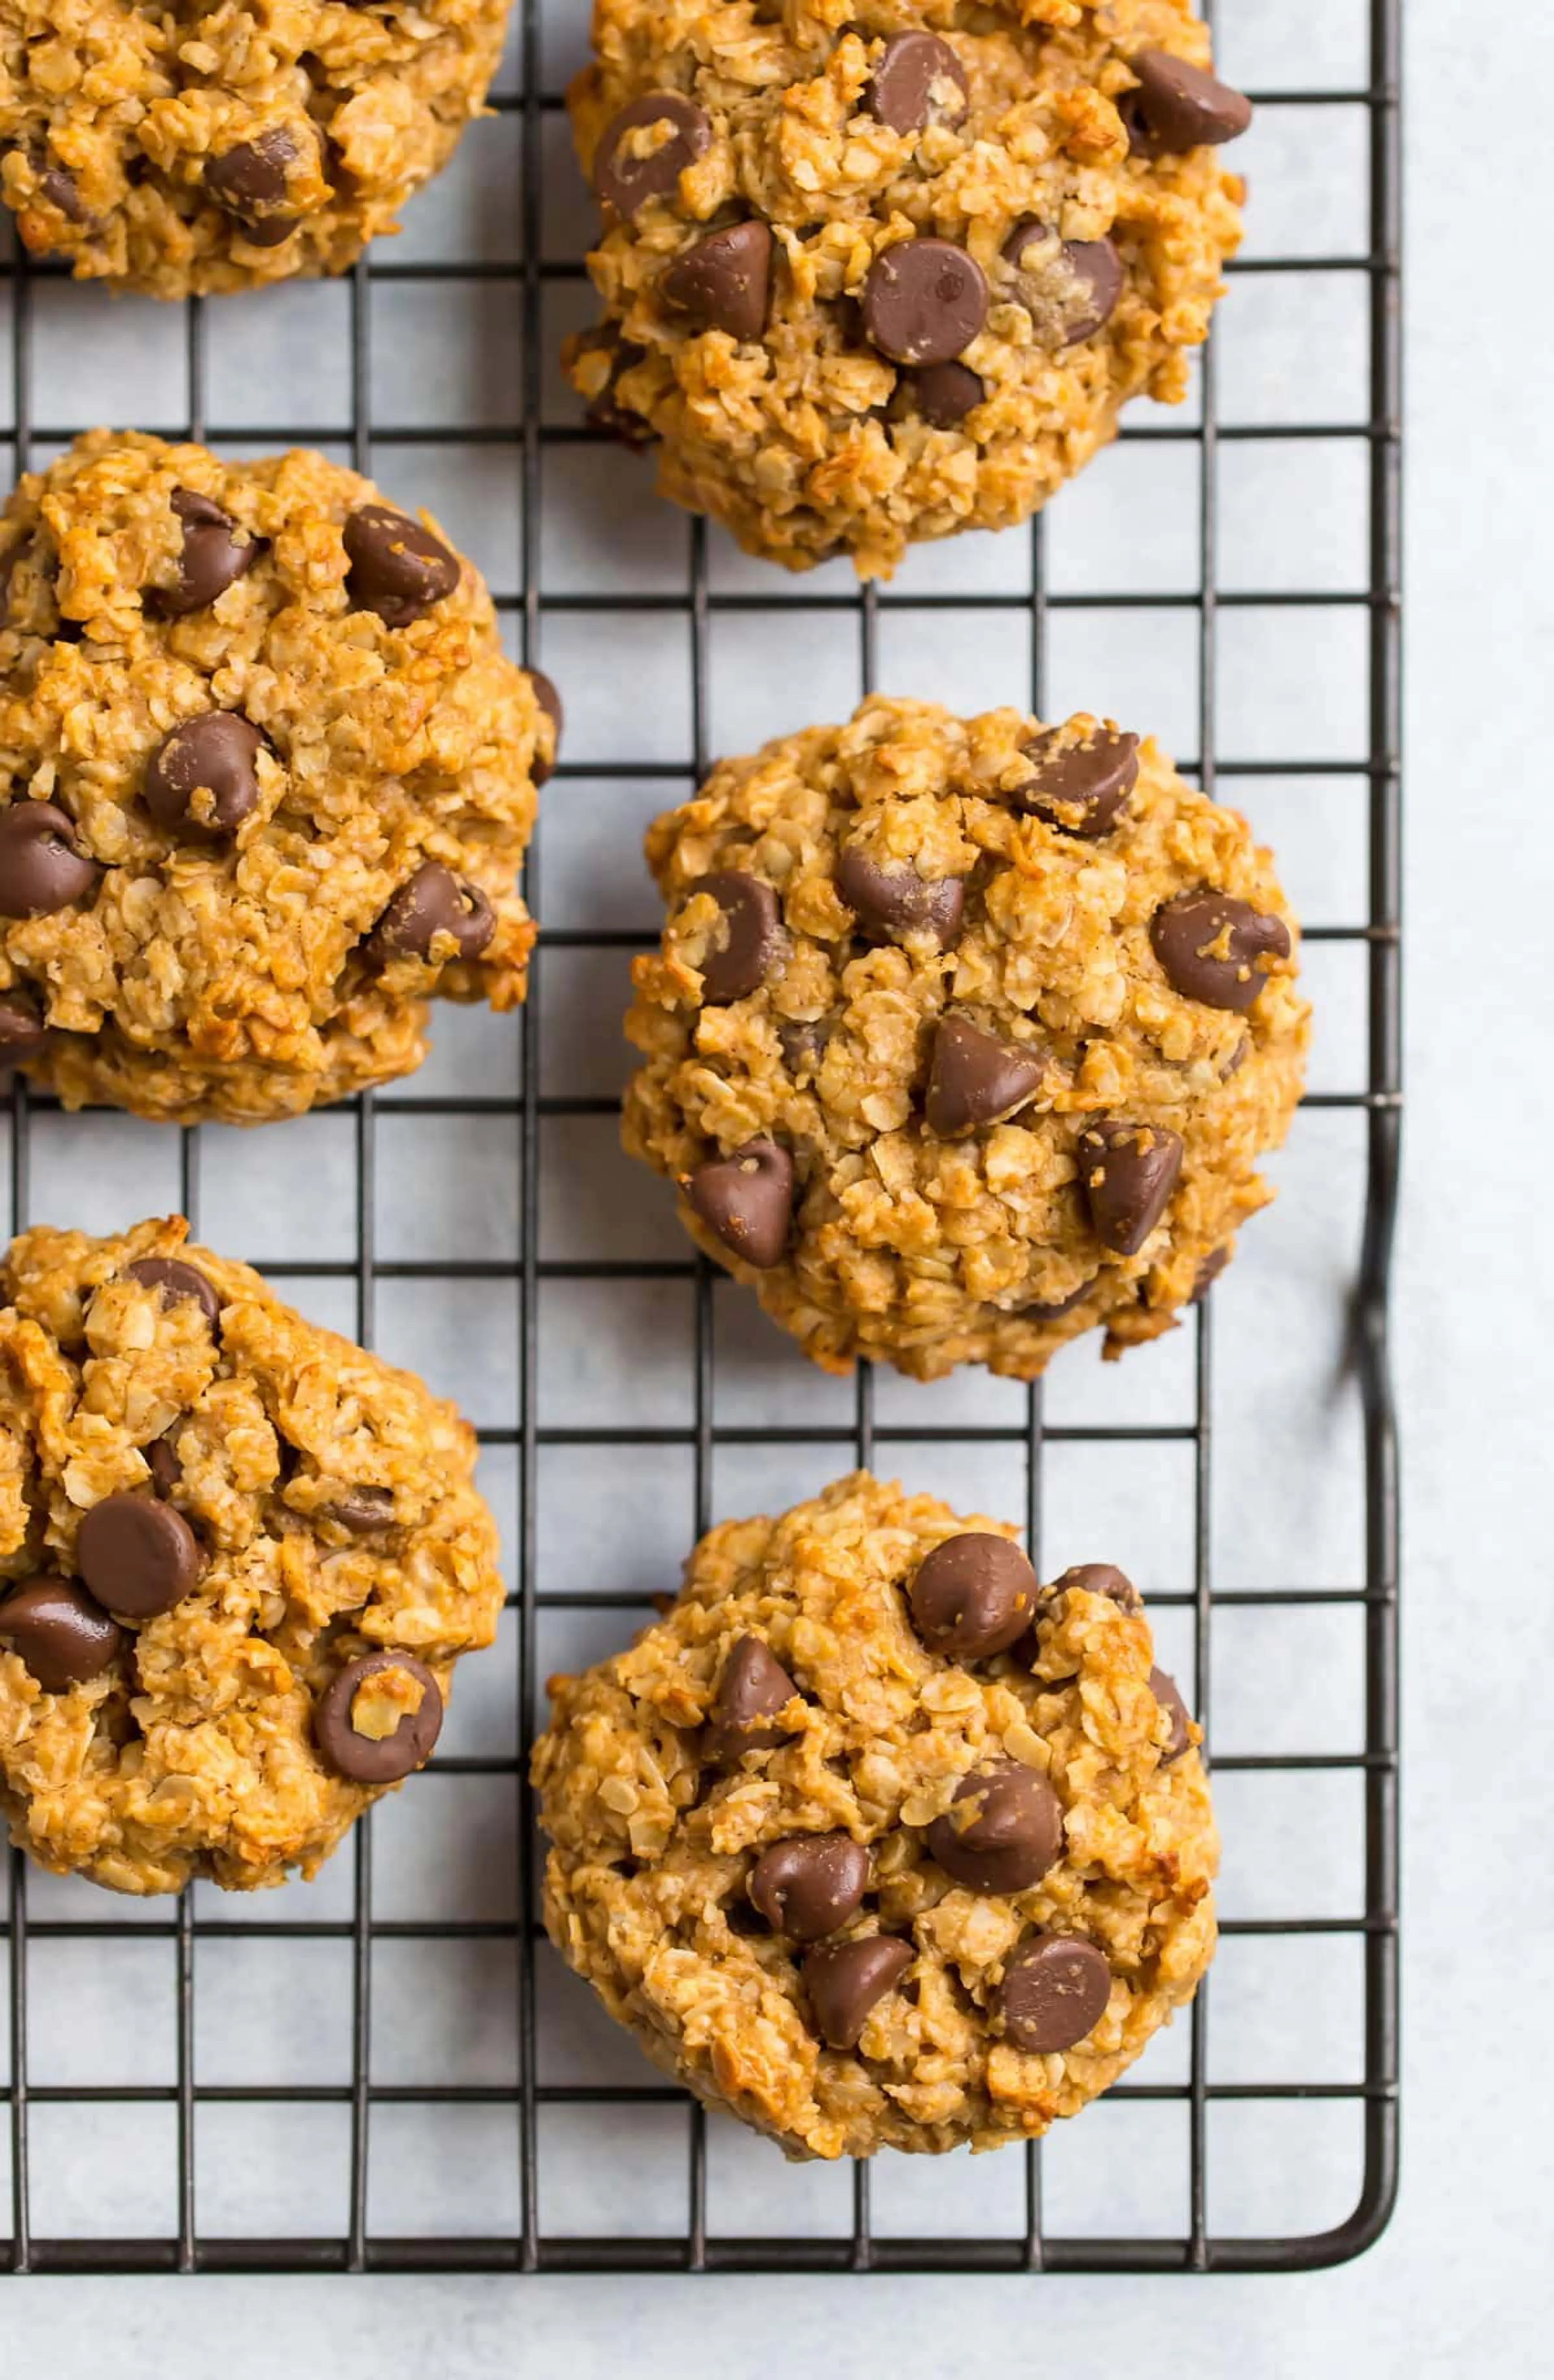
point(964, 1037)
point(266, 779)
point(239, 1561)
point(876, 1841)
point(881, 272)
point(175, 150)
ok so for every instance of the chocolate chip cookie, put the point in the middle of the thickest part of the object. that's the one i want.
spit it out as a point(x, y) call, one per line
point(266, 775)
point(238, 1559)
point(884, 272)
point(876, 1840)
point(964, 1036)
point(175, 148)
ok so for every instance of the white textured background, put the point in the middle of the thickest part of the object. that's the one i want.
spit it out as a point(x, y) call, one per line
point(1460, 2284)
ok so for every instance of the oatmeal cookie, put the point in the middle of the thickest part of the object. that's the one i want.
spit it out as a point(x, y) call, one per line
point(238, 1559)
point(177, 149)
point(266, 778)
point(880, 270)
point(875, 1841)
point(964, 1036)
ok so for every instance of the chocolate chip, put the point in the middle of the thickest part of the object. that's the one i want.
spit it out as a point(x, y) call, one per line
point(803, 1046)
point(924, 301)
point(1069, 287)
point(809, 1885)
point(1210, 1272)
point(399, 569)
point(605, 413)
point(42, 870)
point(1168, 1693)
point(22, 1032)
point(138, 1556)
point(1128, 1172)
point(250, 182)
point(1100, 1578)
point(162, 1457)
point(1003, 1830)
point(747, 1201)
point(377, 1760)
point(175, 1279)
point(1051, 1311)
point(214, 752)
point(943, 394)
point(1078, 787)
point(56, 187)
point(545, 695)
point(213, 557)
point(59, 1635)
point(1054, 1991)
point(364, 1511)
point(845, 1980)
point(722, 282)
point(752, 1688)
point(743, 949)
point(918, 76)
point(432, 901)
point(976, 1080)
point(625, 180)
point(1178, 106)
point(892, 902)
point(1210, 943)
point(973, 1596)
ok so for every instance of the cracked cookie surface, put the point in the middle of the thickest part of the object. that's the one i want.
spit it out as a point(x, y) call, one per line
point(876, 271)
point(964, 1037)
point(874, 1841)
point(238, 1559)
point(267, 780)
point(183, 147)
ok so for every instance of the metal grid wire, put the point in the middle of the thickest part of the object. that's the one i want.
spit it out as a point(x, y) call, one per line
point(524, 2244)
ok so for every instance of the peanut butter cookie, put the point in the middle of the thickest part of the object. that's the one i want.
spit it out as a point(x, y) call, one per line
point(965, 1036)
point(238, 1559)
point(877, 1842)
point(266, 775)
point(175, 148)
point(880, 270)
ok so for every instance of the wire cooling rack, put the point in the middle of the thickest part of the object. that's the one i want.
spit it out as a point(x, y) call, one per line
point(387, 2070)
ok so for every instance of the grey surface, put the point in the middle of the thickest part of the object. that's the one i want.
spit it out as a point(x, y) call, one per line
point(1460, 2283)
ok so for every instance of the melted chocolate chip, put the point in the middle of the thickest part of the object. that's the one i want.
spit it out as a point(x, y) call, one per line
point(752, 1688)
point(976, 1080)
point(432, 901)
point(626, 172)
point(1002, 1832)
point(942, 393)
point(809, 1885)
point(1069, 287)
point(42, 868)
point(1128, 1172)
point(61, 1636)
point(1168, 1693)
point(214, 557)
point(847, 1980)
point(893, 903)
point(924, 301)
point(175, 1279)
point(723, 282)
point(250, 182)
point(1178, 106)
point(1100, 1578)
point(747, 944)
point(1209, 945)
point(138, 1556)
point(918, 79)
point(214, 755)
point(1078, 787)
point(972, 1597)
point(747, 1200)
point(368, 1759)
point(399, 569)
point(1054, 1991)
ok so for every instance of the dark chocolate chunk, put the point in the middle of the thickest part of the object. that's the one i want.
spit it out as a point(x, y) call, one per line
point(747, 1201)
point(1079, 787)
point(746, 945)
point(752, 1688)
point(1128, 1172)
point(893, 903)
point(1210, 943)
point(977, 1079)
